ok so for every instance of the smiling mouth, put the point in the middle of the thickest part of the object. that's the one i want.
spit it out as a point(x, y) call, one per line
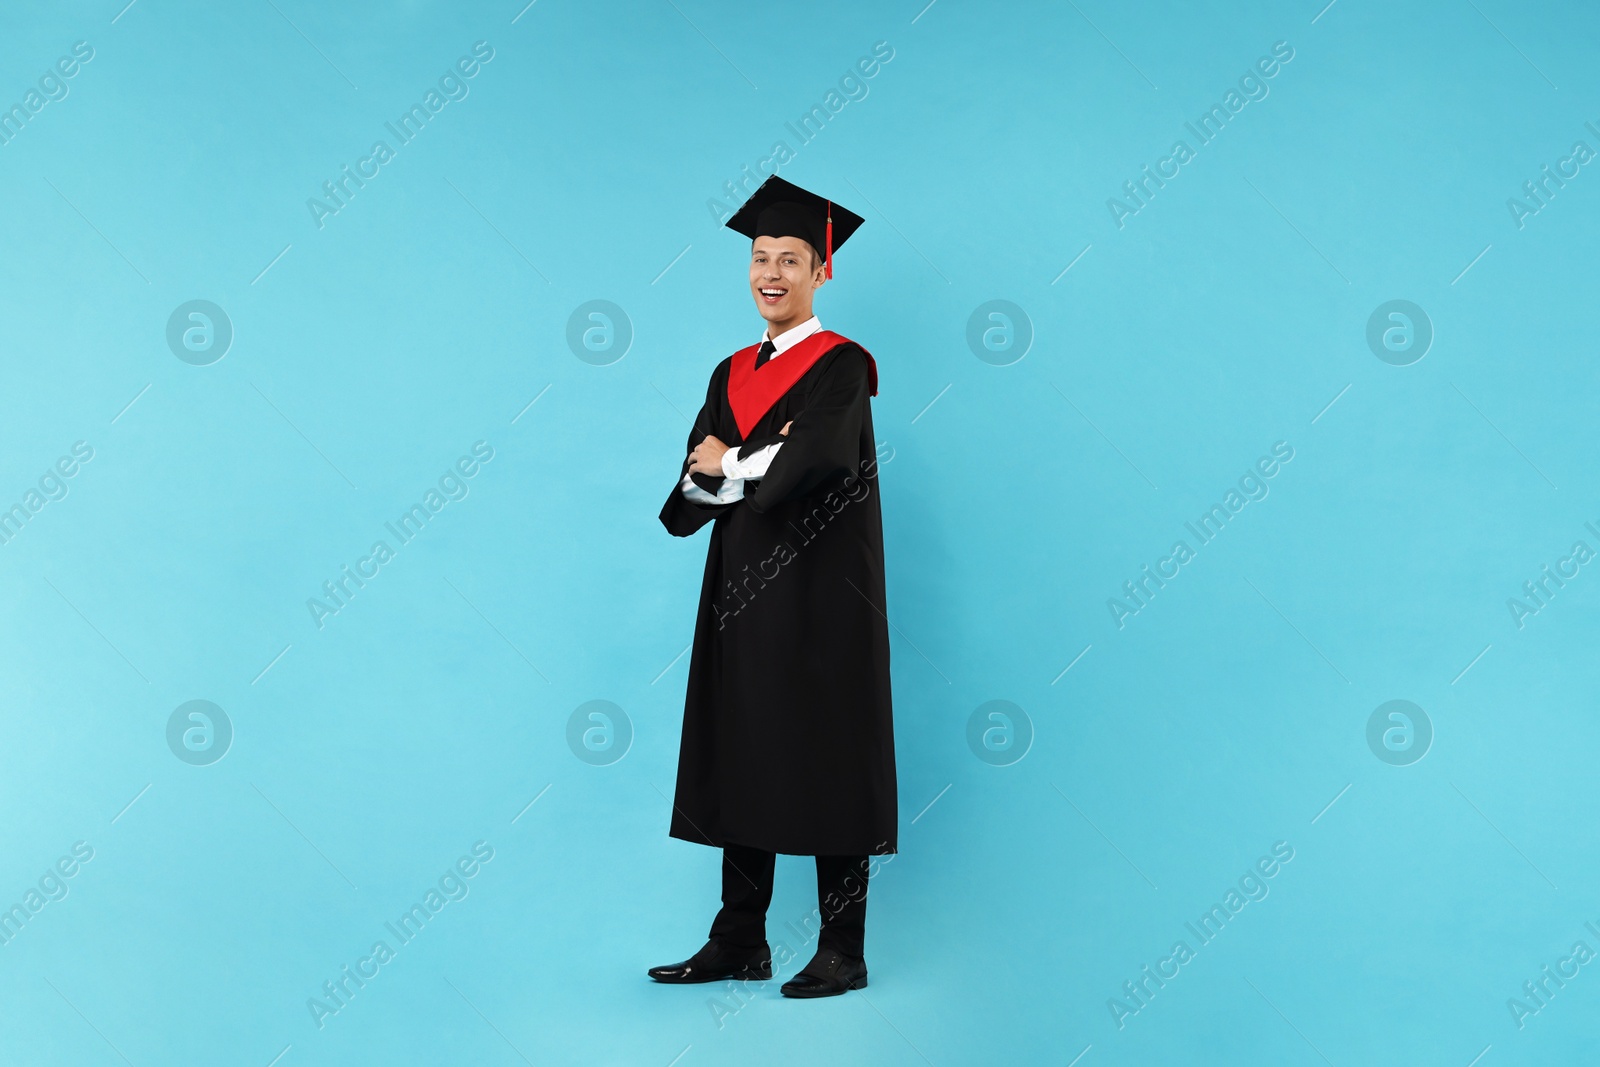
point(772, 296)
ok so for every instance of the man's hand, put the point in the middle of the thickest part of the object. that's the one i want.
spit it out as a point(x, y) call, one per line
point(707, 456)
point(785, 430)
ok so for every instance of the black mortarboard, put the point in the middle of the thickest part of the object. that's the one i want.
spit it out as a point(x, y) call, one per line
point(783, 209)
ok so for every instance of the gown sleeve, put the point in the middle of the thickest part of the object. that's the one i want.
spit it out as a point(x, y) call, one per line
point(756, 444)
point(825, 441)
point(680, 515)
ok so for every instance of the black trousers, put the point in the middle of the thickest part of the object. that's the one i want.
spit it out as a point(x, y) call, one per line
point(839, 921)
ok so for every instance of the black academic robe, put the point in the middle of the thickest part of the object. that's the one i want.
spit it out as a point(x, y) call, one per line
point(788, 736)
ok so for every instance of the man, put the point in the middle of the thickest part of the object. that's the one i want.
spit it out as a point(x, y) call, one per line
point(788, 739)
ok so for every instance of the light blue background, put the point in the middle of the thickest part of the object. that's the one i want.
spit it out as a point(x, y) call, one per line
point(371, 353)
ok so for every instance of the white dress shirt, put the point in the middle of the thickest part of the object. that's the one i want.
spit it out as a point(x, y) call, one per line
point(736, 471)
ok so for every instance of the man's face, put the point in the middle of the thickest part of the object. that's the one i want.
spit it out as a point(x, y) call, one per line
point(784, 274)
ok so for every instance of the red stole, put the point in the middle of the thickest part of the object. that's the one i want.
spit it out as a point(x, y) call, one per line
point(751, 392)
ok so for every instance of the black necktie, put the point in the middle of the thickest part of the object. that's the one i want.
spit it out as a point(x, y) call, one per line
point(767, 349)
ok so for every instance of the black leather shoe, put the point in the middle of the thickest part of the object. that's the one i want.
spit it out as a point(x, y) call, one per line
point(829, 973)
point(716, 962)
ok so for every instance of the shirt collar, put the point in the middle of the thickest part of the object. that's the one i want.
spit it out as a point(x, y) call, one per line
point(791, 337)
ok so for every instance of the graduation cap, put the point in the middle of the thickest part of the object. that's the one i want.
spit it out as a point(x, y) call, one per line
point(782, 209)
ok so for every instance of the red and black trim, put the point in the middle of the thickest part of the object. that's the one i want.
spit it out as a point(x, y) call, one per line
point(752, 392)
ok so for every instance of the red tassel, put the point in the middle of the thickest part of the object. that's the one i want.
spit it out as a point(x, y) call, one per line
point(828, 256)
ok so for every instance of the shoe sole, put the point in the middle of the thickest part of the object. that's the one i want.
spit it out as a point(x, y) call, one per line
point(743, 974)
point(855, 983)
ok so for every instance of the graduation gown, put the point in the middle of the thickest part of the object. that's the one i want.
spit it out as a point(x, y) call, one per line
point(788, 735)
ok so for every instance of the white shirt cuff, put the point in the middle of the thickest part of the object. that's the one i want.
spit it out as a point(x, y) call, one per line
point(731, 490)
point(753, 466)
